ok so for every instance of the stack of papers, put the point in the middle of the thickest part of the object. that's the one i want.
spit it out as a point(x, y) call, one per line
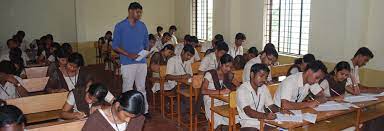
point(297, 116)
point(142, 54)
point(331, 106)
point(361, 98)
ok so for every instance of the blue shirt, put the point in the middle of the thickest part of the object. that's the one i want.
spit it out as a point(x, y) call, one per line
point(132, 39)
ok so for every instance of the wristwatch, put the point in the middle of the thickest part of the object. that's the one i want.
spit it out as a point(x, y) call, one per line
point(18, 85)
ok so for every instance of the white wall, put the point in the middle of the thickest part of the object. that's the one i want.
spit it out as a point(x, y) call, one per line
point(37, 18)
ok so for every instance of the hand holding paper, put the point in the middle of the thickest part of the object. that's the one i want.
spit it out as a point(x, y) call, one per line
point(142, 54)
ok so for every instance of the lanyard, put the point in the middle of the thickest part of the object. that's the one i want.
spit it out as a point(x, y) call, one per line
point(254, 102)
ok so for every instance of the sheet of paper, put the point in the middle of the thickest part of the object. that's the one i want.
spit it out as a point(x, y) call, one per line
point(360, 98)
point(373, 95)
point(310, 117)
point(297, 117)
point(142, 54)
point(331, 106)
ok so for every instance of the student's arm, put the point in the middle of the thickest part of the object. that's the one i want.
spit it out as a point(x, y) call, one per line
point(177, 77)
point(171, 65)
point(116, 44)
point(155, 62)
point(207, 91)
point(287, 105)
point(68, 113)
point(258, 115)
point(21, 90)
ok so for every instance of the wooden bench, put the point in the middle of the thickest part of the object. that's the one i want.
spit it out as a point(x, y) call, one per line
point(59, 126)
point(36, 72)
point(41, 107)
point(35, 84)
point(280, 70)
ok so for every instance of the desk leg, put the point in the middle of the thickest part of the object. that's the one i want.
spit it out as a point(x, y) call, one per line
point(358, 117)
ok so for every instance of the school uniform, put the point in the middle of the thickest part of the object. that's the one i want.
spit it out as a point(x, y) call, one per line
point(293, 89)
point(209, 62)
point(179, 48)
point(76, 98)
point(332, 88)
point(248, 66)
point(206, 46)
point(247, 96)
point(293, 70)
point(174, 40)
point(8, 90)
point(354, 77)
point(234, 51)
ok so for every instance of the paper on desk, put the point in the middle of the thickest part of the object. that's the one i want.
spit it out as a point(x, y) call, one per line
point(310, 117)
point(297, 117)
point(142, 54)
point(360, 98)
point(373, 95)
point(331, 106)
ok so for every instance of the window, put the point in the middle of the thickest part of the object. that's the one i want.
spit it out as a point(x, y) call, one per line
point(202, 19)
point(287, 25)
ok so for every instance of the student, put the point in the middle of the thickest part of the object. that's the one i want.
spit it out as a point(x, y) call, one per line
point(179, 67)
point(292, 90)
point(360, 59)
point(254, 101)
point(158, 59)
point(67, 47)
point(239, 62)
point(23, 43)
point(211, 46)
point(159, 33)
point(251, 53)
point(60, 64)
point(165, 40)
point(192, 40)
point(82, 102)
point(125, 114)
point(172, 30)
point(218, 81)
point(211, 61)
point(299, 66)
point(152, 44)
point(237, 49)
point(335, 84)
point(10, 85)
point(11, 44)
point(267, 57)
point(11, 118)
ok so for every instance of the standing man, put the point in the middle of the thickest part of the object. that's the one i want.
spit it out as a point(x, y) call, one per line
point(131, 37)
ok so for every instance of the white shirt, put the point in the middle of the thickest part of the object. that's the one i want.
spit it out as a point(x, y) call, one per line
point(209, 62)
point(175, 66)
point(247, 68)
point(71, 100)
point(8, 90)
point(247, 96)
point(71, 81)
point(325, 86)
point(179, 48)
point(234, 51)
point(207, 45)
point(174, 40)
point(293, 89)
point(5, 56)
point(355, 78)
point(120, 127)
point(294, 70)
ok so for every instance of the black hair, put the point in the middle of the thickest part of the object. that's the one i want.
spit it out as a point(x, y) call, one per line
point(167, 34)
point(271, 51)
point(15, 53)
point(108, 32)
point(226, 59)
point(134, 6)
point(316, 66)
point(7, 67)
point(173, 27)
point(20, 63)
point(98, 90)
point(67, 47)
point(259, 67)
point(159, 28)
point(253, 50)
point(240, 36)
point(189, 48)
point(168, 47)
point(62, 53)
point(219, 37)
point(151, 37)
point(342, 65)
point(308, 58)
point(188, 38)
point(10, 114)
point(269, 45)
point(76, 58)
point(239, 62)
point(298, 61)
point(20, 33)
point(221, 45)
point(364, 51)
point(194, 39)
point(49, 36)
point(132, 102)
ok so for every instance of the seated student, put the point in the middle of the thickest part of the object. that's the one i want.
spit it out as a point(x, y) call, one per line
point(251, 53)
point(11, 118)
point(254, 100)
point(20, 69)
point(211, 61)
point(152, 44)
point(82, 102)
point(192, 40)
point(159, 33)
point(125, 114)
point(268, 56)
point(59, 64)
point(210, 47)
point(179, 67)
point(335, 84)
point(360, 59)
point(158, 59)
point(67, 47)
point(217, 81)
point(292, 90)
point(172, 31)
point(11, 85)
point(299, 66)
point(239, 62)
point(23, 43)
point(165, 40)
point(237, 49)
